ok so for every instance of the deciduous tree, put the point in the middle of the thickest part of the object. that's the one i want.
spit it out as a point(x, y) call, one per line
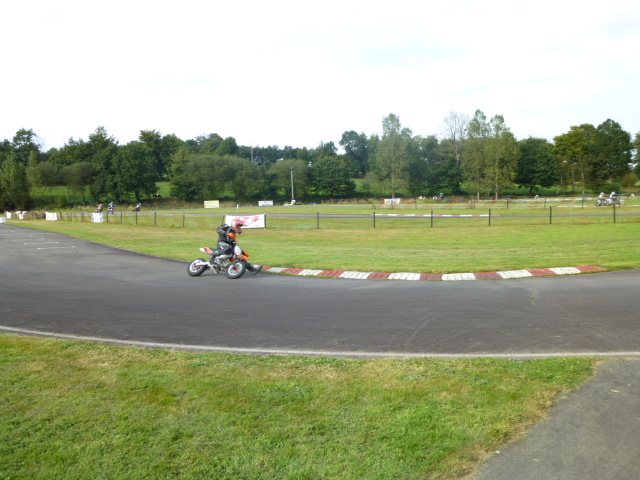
point(332, 177)
point(612, 149)
point(393, 156)
point(356, 151)
point(134, 172)
point(537, 166)
point(575, 152)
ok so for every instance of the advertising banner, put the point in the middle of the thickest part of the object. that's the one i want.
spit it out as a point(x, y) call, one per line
point(389, 201)
point(51, 216)
point(265, 203)
point(97, 218)
point(250, 221)
point(212, 204)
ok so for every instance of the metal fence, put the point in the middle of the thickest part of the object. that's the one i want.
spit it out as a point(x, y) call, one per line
point(387, 219)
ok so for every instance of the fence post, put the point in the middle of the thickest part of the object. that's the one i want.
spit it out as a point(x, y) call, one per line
point(318, 216)
point(550, 214)
point(184, 220)
point(374, 219)
point(136, 218)
point(489, 217)
point(265, 221)
point(120, 217)
point(155, 217)
point(432, 218)
point(614, 212)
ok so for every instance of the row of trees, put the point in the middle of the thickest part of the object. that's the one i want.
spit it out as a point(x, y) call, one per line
point(472, 155)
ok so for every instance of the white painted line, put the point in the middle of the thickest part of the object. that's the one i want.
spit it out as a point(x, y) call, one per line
point(275, 269)
point(361, 275)
point(515, 274)
point(311, 272)
point(404, 276)
point(325, 353)
point(51, 248)
point(459, 276)
point(355, 275)
point(565, 270)
point(40, 243)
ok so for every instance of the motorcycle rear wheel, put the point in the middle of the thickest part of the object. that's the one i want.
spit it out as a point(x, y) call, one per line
point(196, 267)
point(236, 270)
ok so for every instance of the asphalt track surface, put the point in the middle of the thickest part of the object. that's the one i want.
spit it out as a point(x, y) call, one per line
point(51, 284)
point(59, 285)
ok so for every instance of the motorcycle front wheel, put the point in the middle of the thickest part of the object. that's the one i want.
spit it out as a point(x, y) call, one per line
point(196, 267)
point(236, 270)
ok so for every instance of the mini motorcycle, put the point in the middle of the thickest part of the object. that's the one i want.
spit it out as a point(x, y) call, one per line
point(607, 202)
point(233, 265)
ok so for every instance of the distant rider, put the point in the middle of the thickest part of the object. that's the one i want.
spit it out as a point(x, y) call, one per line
point(227, 241)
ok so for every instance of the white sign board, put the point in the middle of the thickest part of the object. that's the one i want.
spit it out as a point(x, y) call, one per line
point(265, 203)
point(52, 216)
point(212, 204)
point(389, 201)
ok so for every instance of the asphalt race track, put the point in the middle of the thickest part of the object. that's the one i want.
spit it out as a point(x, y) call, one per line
point(53, 284)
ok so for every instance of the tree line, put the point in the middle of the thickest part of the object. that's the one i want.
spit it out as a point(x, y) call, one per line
point(472, 155)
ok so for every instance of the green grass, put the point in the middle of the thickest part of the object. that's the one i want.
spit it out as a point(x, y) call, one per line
point(71, 410)
point(388, 249)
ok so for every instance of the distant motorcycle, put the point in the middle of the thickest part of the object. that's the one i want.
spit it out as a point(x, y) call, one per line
point(609, 202)
point(233, 265)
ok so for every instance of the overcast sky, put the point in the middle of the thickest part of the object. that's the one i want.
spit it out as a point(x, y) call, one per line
point(300, 73)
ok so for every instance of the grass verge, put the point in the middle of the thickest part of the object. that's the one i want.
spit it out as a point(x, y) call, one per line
point(72, 409)
point(438, 250)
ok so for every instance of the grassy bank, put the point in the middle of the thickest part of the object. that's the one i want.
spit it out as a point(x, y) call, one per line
point(85, 410)
point(437, 250)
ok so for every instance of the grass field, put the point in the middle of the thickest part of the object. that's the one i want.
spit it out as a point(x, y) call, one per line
point(81, 410)
point(402, 249)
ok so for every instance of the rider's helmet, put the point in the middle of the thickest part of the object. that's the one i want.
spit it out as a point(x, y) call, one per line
point(237, 225)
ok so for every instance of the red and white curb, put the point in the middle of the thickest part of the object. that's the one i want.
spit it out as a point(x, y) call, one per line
point(534, 272)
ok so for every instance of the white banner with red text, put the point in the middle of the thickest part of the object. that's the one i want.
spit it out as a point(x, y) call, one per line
point(250, 221)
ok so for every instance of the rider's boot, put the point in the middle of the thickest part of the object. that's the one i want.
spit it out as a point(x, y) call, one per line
point(254, 269)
